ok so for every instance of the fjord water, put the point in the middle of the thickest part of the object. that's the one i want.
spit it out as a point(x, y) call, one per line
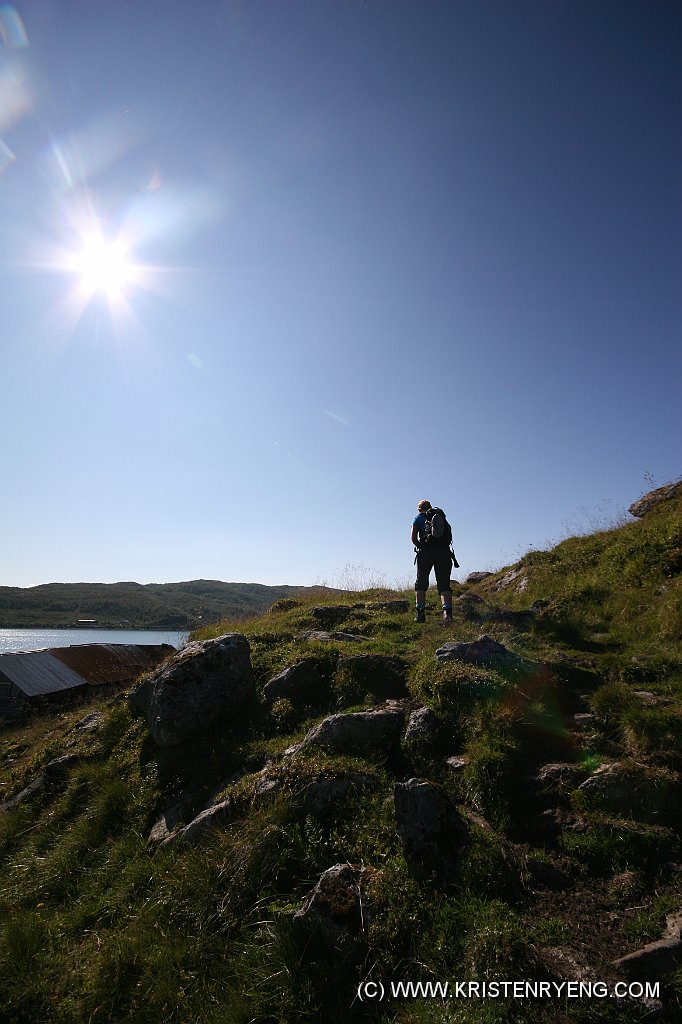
point(13, 640)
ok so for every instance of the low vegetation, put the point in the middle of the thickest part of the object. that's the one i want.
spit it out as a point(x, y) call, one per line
point(559, 879)
point(177, 606)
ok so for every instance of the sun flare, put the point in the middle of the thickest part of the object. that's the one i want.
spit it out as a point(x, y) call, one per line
point(102, 266)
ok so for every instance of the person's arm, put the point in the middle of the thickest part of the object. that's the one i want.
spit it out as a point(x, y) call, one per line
point(415, 536)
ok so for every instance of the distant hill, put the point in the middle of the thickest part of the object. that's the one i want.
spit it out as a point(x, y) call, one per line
point(137, 606)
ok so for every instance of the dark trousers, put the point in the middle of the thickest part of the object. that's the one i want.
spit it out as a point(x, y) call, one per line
point(438, 559)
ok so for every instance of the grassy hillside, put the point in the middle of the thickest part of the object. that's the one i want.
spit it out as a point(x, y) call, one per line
point(556, 882)
point(135, 605)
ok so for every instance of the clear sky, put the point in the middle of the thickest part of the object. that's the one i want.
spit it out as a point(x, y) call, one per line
point(271, 271)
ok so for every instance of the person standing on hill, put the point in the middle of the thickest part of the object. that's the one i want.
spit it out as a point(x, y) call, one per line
point(432, 537)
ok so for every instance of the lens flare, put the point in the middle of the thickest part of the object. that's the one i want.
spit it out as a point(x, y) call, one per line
point(102, 266)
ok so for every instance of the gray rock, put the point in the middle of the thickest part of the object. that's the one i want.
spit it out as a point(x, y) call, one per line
point(625, 790)
point(164, 827)
point(458, 763)
point(431, 830)
point(297, 680)
point(558, 779)
point(648, 501)
point(484, 651)
point(583, 721)
point(380, 674)
point(469, 597)
point(653, 699)
point(336, 913)
point(324, 636)
point(378, 730)
point(515, 578)
point(424, 727)
point(33, 787)
point(62, 764)
point(328, 615)
point(204, 683)
point(218, 816)
point(321, 794)
point(476, 577)
point(90, 722)
point(653, 961)
point(519, 619)
point(398, 606)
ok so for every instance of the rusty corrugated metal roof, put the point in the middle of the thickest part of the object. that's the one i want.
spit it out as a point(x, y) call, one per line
point(112, 663)
point(38, 672)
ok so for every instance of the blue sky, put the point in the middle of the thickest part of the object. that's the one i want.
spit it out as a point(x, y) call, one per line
point(347, 255)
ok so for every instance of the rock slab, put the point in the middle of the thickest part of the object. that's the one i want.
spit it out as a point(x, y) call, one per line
point(432, 831)
point(206, 682)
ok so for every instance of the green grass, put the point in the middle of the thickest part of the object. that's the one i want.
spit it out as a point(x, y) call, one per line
point(97, 926)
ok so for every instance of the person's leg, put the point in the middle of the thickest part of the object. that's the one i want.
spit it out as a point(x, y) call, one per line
point(443, 563)
point(421, 585)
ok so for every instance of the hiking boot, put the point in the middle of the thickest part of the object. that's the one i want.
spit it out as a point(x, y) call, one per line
point(420, 615)
point(447, 618)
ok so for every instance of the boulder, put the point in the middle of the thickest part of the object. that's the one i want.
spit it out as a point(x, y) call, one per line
point(558, 778)
point(296, 681)
point(424, 728)
point(335, 914)
point(484, 651)
point(476, 577)
point(204, 683)
point(330, 614)
point(379, 674)
point(627, 790)
point(648, 501)
point(377, 730)
point(432, 831)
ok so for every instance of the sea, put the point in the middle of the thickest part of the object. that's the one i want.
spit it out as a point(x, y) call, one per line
point(13, 640)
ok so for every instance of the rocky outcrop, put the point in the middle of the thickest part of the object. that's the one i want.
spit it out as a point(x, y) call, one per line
point(217, 816)
point(377, 730)
point(379, 674)
point(424, 728)
point(652, 962)
point(206, 682)
point(330, 614)
point(324, 636)
point(335, 916)
point(321, 794)
point(54, 769)
point(167, 823)
point(628, 790)
point(485, 651)
point(515, 578)
point(431, 830)
point(298, 680)
point(648, 501)
point(397, 606)
point(476, 577)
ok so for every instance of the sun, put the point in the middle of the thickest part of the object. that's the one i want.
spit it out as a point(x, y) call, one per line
point(102, 266)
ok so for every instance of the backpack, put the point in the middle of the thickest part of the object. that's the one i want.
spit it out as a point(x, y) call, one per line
point(437, 529)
